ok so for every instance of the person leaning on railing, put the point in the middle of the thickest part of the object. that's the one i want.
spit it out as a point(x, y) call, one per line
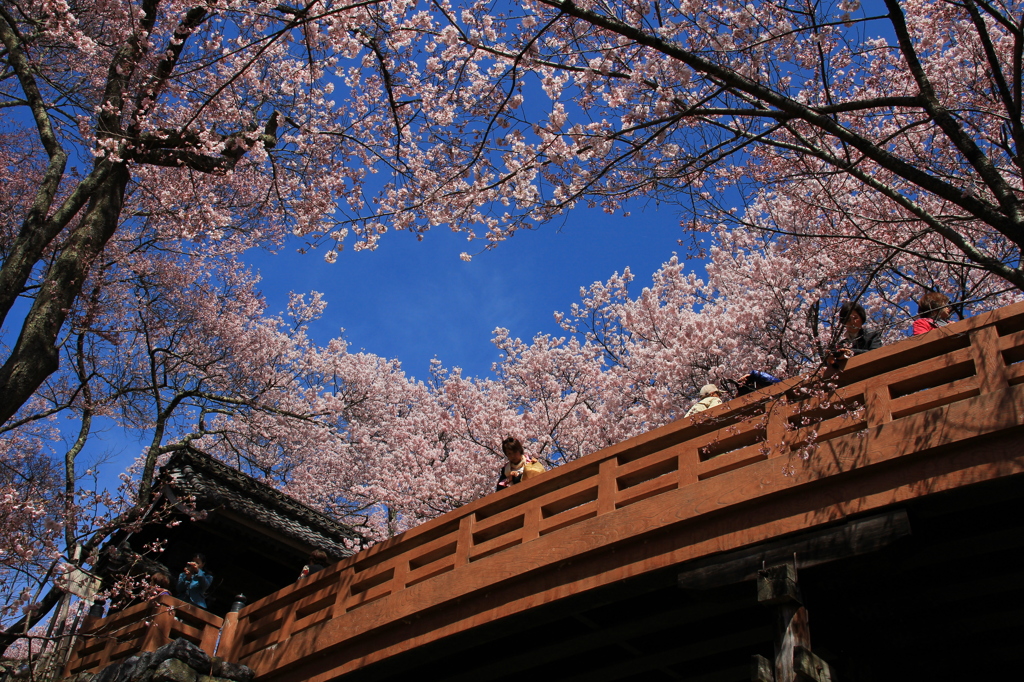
point(519, 467)
point(857, 338)
point(193, 582)
point(710, 397)
point(932, 312)
point(161, 584)
point(316, 563)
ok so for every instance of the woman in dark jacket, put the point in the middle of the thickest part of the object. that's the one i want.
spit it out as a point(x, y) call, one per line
point(317, 562)
point(858, 338)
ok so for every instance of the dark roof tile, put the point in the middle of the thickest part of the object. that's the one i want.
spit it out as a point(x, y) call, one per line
point(192, 473)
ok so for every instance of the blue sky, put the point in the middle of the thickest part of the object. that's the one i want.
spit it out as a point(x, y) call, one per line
point(416, 300)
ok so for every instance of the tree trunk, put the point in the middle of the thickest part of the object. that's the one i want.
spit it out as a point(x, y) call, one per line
point(35, 356)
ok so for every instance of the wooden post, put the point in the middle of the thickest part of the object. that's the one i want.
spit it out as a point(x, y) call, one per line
point(227, 645)
point(689, 460)
point(464, 542)
point(761, 669)
point(161, 621)
point(230, 640)
point(208, 640)
point(777, 587)
point(877, 406)
point(775, 430)
point(810, 668)
point(285, 630)
point(988, 360)
point(343, 585)
point(531, 521)
point(400, 572)
point(606, 488)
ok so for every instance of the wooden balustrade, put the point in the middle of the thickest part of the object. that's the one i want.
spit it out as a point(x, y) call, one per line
point(142, 627)
point(932, 386)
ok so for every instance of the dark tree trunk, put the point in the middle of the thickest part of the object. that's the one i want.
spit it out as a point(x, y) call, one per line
point(35, 356)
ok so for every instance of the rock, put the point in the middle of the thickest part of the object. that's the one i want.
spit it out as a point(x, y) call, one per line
point(186, 651)
point(133, 667)
point(108, 674)
point(174, 670)
point(179, 661)
point(82, 677)
point(236, 672)
point(147, 675)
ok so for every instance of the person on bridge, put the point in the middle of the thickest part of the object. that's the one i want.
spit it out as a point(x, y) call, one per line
point(857, 338)
point(753, 381)
point(519, 467)
point(161, 585)
point(710, 397)
point(932, 312)
point(193, 582)
point(317, 562)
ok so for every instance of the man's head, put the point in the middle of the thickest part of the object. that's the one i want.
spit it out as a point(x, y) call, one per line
point(708, 390)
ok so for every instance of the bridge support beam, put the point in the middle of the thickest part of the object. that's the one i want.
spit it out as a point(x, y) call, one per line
point(777, 587)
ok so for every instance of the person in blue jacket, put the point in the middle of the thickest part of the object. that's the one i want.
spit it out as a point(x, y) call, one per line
point(193, 582)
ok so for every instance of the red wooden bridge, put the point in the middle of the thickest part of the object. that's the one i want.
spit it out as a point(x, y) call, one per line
point(638, 561)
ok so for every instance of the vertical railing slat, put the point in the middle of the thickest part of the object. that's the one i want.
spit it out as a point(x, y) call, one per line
point(689, 459)
point(988, 360)
point(159, 631)
point(531, 521)
point(607, 488)
point(877, 403)
point(464, 541)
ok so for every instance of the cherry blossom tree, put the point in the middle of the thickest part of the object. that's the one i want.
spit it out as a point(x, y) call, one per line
point(909, 109)
point(819, 153)
point(209, 120)
point(178, 349)
point(632, 361)
point(895, 125)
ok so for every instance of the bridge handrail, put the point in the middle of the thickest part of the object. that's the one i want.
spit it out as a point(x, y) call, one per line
point(977, 355)
point(980, 355)
point(142, 627)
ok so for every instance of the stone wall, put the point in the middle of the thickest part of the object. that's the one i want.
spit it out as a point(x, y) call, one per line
point(179, 661)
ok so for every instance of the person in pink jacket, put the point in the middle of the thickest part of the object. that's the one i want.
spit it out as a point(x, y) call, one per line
point(932, 312)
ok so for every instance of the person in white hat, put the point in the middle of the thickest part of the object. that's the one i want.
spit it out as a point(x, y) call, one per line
point(709, 397)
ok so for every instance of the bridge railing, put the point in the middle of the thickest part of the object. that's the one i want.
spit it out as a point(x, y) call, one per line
point(833, 414)
point(142, 627)
point(978, 355)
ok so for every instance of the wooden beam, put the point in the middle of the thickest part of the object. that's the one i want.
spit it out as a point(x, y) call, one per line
point(761, 669)
point(617, 669)
point(811, 548)
point(810, 668)
point(777, 585)
point(596, 640)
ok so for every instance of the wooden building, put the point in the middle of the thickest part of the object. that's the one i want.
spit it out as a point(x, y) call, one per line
point(255, 538)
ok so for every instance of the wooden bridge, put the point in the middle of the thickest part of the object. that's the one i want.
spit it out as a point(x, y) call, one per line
point(896, 492)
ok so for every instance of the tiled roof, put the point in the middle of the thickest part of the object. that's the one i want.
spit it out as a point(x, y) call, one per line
point(216, 485)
